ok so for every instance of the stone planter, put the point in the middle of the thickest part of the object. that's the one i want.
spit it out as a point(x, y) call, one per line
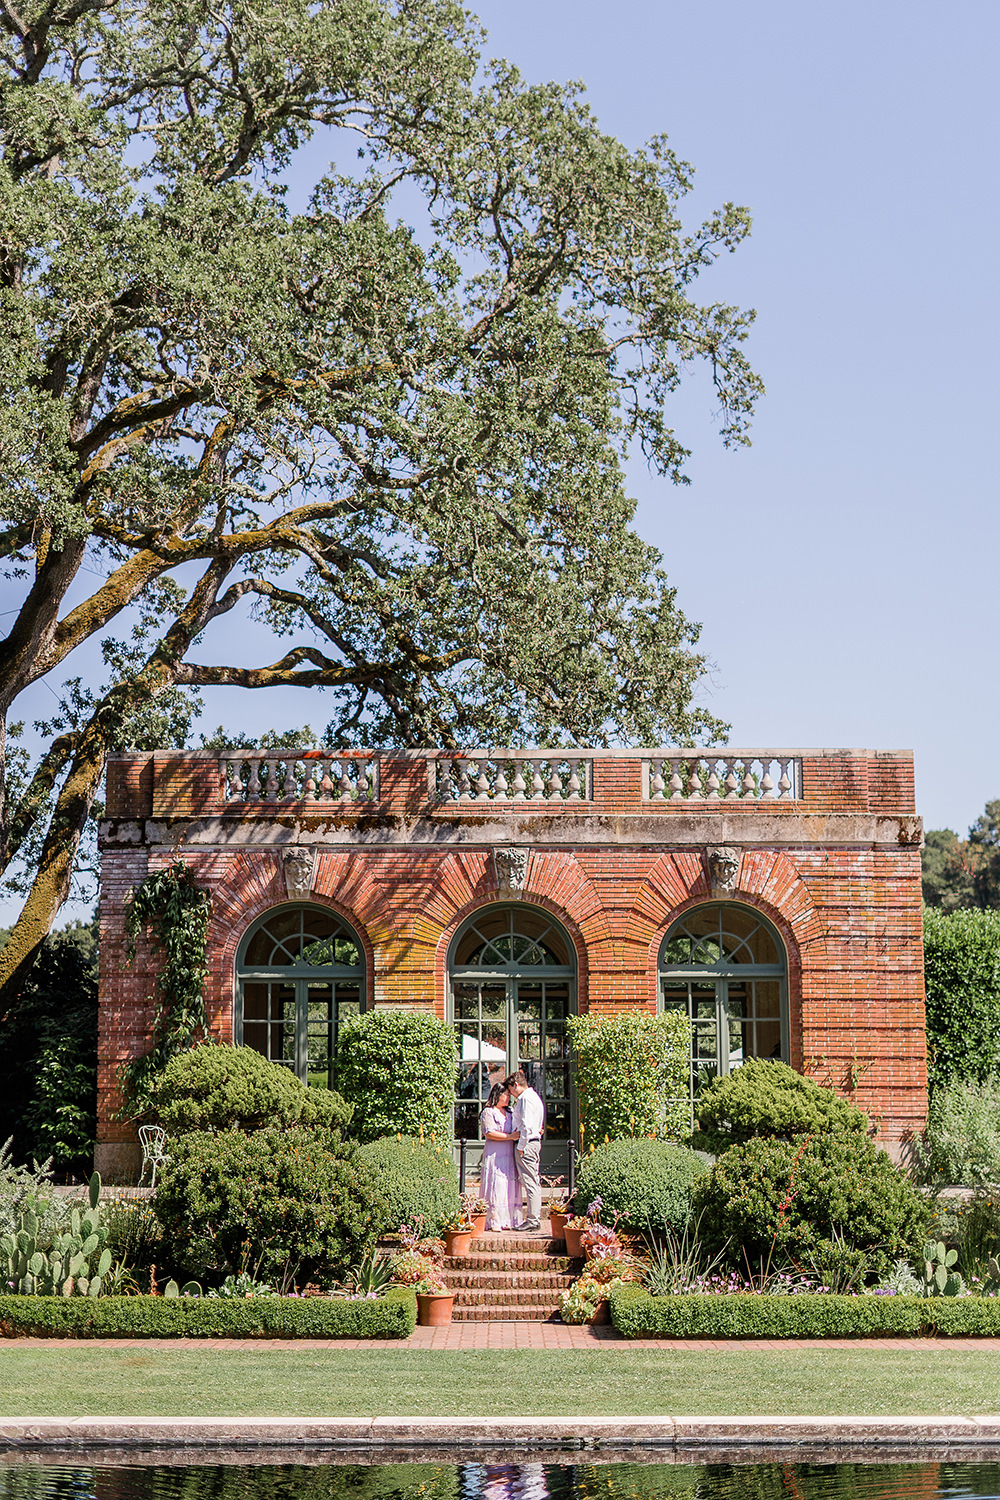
point(478, 1225)
point(434, 1309)
point(457, 1241)
point(574, 1241)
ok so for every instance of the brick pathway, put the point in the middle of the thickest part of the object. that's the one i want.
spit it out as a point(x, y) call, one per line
point(497, 1335)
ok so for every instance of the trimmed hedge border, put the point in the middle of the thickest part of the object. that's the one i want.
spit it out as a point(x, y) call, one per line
point(393, 1316)
point(639, 1315)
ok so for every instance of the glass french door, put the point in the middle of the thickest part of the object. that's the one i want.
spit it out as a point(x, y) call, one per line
point(510, 1023)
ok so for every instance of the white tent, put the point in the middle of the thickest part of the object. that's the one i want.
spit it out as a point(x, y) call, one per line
point(474, 1050)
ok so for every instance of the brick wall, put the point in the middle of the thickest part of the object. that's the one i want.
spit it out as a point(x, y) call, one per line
point(837, 873)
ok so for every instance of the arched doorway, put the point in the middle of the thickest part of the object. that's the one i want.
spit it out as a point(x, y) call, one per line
point(723, 965)
point(512, 984)
point(299, 971)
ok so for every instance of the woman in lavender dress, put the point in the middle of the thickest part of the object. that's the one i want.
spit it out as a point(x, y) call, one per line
point(499, 1182)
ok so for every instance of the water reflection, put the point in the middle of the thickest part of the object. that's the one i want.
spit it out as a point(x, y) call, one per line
point(333, 1479)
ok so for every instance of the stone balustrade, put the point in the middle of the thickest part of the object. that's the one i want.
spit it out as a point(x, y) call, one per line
point(735, 776)
point(275, 776)
point(501, 776)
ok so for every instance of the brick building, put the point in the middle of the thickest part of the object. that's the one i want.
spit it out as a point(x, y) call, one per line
point(772, 895)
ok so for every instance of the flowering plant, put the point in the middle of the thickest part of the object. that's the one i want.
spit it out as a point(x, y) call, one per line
point(431, 1285)
point(409, 1267)
point(601, 1240)
point(580, 1303)
point(412, 1237)
point(457, 1223)
point(608, 1268)
point(474, 1206)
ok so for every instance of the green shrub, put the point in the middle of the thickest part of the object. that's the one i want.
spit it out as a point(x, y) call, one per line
point(962, 982)
point(637, 1315)
point(282, 1202)
point(768, 1098)
point(632, 1075)
point(412, 1180)
point(393, 1316)
point(217, 1087)
point(962, 1140)
point(830, 1200)
point(398, 1071)
point(648, 1182)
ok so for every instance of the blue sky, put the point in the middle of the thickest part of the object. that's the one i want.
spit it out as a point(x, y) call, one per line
point(841, 565)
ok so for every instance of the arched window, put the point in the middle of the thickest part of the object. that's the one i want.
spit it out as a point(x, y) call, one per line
point(299, 971)
point(723, 965)
point(512, 983)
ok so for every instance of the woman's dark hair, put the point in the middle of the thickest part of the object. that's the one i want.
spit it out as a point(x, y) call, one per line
point(495, 1092)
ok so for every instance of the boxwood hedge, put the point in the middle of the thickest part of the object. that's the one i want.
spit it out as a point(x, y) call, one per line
point(393, 1316)
point(639, 1315)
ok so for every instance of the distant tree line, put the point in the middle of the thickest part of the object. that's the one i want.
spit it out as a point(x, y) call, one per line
point(960, 873)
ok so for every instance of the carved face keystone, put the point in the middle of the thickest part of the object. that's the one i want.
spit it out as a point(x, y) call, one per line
point(511, 866)
point(723, 868)
point(298, 867)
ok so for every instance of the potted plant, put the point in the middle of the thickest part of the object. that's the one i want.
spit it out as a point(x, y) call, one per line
point(458, 1232)
point(577, 1227)
point(435, 1301)
point(476, 1209)
point(560, 1212)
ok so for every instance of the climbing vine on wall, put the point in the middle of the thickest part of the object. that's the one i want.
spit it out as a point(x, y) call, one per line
point(170, 906)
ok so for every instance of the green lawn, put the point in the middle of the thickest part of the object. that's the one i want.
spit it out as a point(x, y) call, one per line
point(165, 1380)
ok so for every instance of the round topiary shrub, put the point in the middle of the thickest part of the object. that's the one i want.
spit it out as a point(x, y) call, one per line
point(217, 1087)
point(767, 1098)
point(648, 1182)
point(282, 1202)
point(414, 1181)
point(829, 1202)
point(397, 1069)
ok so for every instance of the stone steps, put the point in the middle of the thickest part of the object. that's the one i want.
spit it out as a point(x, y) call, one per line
point(510, 1278)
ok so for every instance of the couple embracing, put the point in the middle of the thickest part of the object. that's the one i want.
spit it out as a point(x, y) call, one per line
point(512, 1125)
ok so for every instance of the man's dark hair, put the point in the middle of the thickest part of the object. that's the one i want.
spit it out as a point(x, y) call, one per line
point(518, 1077)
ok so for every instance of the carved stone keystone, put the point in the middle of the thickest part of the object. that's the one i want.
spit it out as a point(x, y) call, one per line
point(511, 866)
point(723, 868)
point(298, 865)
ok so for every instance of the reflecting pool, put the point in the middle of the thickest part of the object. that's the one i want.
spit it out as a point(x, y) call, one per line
point(334, 1479)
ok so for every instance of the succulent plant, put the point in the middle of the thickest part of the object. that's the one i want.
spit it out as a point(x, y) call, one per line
point(937, 1273)
point(70, 1260)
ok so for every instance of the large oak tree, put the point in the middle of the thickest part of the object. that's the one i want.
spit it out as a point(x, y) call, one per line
point(391, 416)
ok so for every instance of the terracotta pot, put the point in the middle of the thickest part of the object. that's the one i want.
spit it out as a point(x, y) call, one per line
point(602, 1313)
point(557, 1223)
point(434, 1309)
point(457, 1241)
point(478, 1225)
point(574, 1240)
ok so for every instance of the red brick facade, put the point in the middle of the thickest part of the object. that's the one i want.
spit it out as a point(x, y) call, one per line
point(834, 865)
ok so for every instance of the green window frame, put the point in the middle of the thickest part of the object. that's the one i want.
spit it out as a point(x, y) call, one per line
point(300, 969)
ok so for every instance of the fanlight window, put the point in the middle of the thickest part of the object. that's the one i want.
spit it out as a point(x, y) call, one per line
point(723, 966)
point(300, 972)
point(512, 937)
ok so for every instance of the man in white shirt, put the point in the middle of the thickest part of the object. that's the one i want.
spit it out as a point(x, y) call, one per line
point(529, 1124)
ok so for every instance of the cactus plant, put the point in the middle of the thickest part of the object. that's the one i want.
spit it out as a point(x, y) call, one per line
point(70, 1260)
point(937, 1273)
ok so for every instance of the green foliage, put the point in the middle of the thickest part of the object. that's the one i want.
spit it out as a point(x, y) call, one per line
point(281, 1202)
point(135, 1235)
point(218, 1087)
point(831, 1199)
point(962, 980)
point(961, 873)
point(68, 1261)
point(937, 1270)
point(397, 1068)
point(393, 1316)
point(48, 1054)
point(632, 1074)
point(637, 1315)
point(416, 1182)
point(650, 1183)
point(175, 909)
point(19, 1185)
point(962, 1141)
point(768, 1098)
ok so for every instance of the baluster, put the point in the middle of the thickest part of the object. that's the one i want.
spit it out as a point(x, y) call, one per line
point(500, 787)
point(555, 785)
point(713, 782)
point(749, 780)
point(326, 785)
point(573, 785)
point(309, 790)
point(766, 784)
point(235, 784)
point(345, 785)
point(694, 781)
point(464, 787)
point(366, 787)
point(267, 780)
point(290, 785)
point(676, 784)
point(520, 785)
point(732, 782)
point(656, 781)
point(537, 784)
point(784, 784)
point(482, 782)
point(253, 785)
